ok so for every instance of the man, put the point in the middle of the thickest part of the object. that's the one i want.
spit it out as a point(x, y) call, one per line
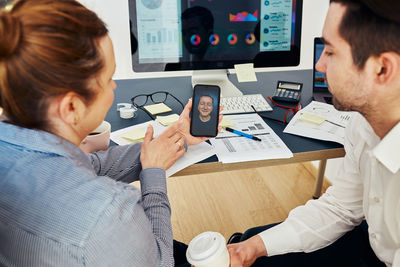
point(205, 108)
point(362, 64)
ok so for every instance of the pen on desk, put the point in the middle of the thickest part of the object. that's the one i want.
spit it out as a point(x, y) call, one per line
point(335, 124)
point(242, 134)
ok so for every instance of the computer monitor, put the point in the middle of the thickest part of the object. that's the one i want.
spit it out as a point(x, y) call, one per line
point(320, 85)
point(170, 35)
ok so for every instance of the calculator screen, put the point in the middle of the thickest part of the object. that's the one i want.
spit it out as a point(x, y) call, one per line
point(291, 86)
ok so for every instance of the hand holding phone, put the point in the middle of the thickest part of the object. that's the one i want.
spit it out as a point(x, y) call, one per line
point(205, 111)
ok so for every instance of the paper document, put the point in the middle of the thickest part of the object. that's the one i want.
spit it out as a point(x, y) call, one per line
point(230, 147)
point(320, 121)
point(193, 155)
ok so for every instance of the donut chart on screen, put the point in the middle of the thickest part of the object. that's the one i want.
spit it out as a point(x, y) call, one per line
point(195, 39)
point(232, 38)
point(250, 38)
point(214, 39)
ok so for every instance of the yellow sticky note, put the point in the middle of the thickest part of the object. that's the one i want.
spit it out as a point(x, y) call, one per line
point(312, 118)
point(157, 108)
point(245, 72)
point(226, 123)
point(135, 135)
point(167, 120)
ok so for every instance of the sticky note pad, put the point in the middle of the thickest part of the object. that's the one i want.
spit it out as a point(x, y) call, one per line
point(226, 123)
point(157, 108)
point(167, 120)
point(245, 72)
point(136, 135)
point(312, 118)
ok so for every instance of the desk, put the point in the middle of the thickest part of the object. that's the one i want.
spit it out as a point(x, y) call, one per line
point(304, 149)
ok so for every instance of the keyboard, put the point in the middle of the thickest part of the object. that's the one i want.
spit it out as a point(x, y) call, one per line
point(242, 104)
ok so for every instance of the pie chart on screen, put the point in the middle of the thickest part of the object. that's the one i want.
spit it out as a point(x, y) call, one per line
point(250, 39)
point(152, 4)
point(232, 39)
point(195, 39)
point(214, 39)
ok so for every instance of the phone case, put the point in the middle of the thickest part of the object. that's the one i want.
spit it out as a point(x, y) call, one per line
point(199, 125)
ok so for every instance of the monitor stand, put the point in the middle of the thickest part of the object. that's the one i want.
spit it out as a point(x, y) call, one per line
point(216, 77)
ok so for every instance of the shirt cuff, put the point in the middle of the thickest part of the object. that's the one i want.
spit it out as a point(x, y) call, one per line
point(280, 239)
point(153, 179)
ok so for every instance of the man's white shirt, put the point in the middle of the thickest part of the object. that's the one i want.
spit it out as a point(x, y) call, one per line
point(367, 187)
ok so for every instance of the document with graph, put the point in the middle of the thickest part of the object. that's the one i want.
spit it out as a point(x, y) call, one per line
point(320, 121)
point(230, 147)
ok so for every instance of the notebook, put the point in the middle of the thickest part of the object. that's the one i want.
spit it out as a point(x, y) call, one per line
point(320, 87)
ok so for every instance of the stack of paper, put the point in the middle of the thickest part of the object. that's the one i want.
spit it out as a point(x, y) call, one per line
point(320, 121)
point(230, 147)
point(133, 134)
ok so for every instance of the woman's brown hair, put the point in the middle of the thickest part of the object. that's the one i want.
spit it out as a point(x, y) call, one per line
point(47, 48)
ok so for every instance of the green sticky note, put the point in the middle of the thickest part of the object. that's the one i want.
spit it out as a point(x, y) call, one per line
point(312, 118)
point(245, 72)
point(157, 108)
point(136, 135)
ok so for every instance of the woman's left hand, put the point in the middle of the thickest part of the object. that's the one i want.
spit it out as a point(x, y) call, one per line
point(184, 126)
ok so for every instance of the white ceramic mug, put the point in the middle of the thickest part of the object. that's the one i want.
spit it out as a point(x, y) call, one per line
point(208, 249)
point(98, 139)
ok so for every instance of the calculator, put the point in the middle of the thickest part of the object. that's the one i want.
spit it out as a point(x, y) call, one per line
point(288, 91)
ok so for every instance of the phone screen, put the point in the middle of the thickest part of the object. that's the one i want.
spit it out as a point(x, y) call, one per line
point(205, 111)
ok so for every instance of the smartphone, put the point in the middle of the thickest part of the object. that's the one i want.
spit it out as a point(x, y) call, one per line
point(205, 110)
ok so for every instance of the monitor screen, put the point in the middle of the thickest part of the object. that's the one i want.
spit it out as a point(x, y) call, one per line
point(214, 34)
point(319, 77)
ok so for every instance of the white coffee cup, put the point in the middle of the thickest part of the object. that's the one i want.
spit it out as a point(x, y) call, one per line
point(98, 139)
point(208, 249)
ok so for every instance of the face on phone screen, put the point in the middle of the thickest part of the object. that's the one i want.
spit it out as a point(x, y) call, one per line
point(205, 111)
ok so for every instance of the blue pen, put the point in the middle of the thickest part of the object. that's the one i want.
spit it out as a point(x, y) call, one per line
point(242, 134)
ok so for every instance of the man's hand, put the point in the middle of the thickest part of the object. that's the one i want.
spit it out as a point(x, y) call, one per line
point(163, 151)
point(245, 253)
point(184, 126)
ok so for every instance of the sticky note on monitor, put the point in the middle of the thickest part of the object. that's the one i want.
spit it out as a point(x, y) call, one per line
point(167, 120)
point(245, 72)
point(136, 135)
point(157, 108)
point(312, 118)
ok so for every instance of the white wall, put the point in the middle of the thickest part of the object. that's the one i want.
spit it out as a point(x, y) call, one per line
point(116, 15)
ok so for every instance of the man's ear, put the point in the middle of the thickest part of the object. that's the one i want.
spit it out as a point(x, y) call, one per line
point(71, 108)
point(387, 67)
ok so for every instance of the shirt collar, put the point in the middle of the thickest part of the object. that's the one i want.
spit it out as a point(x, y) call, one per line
point(40, 141)
point(388, 150)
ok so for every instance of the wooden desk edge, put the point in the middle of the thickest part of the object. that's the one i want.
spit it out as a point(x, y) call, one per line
point(202, 168)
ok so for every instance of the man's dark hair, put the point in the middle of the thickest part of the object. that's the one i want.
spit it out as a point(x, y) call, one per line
point(371, 27)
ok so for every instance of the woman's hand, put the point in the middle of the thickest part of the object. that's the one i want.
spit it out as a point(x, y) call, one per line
point(164, 150)
point(184, 125)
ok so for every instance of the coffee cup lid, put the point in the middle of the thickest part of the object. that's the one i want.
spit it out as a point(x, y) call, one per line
point(205, 247)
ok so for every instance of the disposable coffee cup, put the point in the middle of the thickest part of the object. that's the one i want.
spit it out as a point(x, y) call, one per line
point(208, 249)
point(98, 139)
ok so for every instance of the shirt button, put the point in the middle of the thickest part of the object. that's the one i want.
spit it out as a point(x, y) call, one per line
point(377, 199)
point(373, 235)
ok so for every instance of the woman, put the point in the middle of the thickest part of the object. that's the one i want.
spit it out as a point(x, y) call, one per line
point(59, 206)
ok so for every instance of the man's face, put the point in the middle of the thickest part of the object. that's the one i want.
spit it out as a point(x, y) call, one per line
point(205, 106)
point(349, 86)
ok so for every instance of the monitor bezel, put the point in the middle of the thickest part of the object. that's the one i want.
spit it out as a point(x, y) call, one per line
point(263, 59)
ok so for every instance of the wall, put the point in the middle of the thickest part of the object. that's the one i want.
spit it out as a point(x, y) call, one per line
point(116, 16)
